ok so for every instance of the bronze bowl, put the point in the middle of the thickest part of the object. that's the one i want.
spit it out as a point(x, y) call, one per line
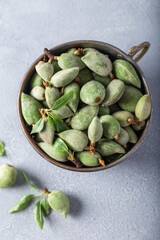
point(113, 53)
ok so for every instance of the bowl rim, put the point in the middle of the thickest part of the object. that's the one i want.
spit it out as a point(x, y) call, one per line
point(31, 140)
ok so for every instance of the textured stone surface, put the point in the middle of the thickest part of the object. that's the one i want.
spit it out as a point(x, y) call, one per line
point(121, 203)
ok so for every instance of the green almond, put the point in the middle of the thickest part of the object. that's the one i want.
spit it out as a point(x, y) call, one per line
point(124, 71)
point(38, 93)
point(64, 77)
point(45, 70)
point(95, 130)
point(143, 107)
point(51, 94)
point(73, 103)
point(63, 112)
point(88, 159)
point(47, 133)
point(130, 98)
point(124, 118)
point(56, 66)
point(114, 92)
point(50, 151)
point(83, 117)
point(98, 63)
point(36, 80)
point(30, 109)
point(92, 93)
point(132, 135)
point(108, 147)
point(111, 127)
point(75, 139)
point(123, 137)
point(67, 60)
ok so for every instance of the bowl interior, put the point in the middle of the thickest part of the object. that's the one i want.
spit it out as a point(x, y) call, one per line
point(114, 53)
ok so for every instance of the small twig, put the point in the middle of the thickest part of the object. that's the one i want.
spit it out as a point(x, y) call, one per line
point(62, 90)
point(111, 75)
point(75, 161)
point(44, 58)
point(102, 162)
point(131, 121)
point(49, 54)
point(117, 138)
point(42, 112)
point(77, 80)
point(45, 84)
point(91, 148)
point(79, 52)
point(46, 191)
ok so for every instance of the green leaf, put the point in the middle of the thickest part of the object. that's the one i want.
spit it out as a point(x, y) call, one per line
point(45, 207)
point(50, 120)
point(60, 145)
point(58, 123)
point(38, 216)
point(26, 179)
point(38, 126)
point(22, 203)
point(62, 101)
point(1, 148)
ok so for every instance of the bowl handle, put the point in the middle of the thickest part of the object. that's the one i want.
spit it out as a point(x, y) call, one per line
point(142, 47)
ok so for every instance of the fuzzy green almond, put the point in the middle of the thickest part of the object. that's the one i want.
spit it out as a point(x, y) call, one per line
point(75, 139)
point(98, 63)
point(51, 94)
point(124, 71)
point(130, 98)
point(63, 112)
point(73, 103)
point(143, 107)
point(95, 130)
point(59, 202)
point(47, 133)
point(83, 117)
point(30, 109)
point(45, 70)
point(123, 137)
point(68, 60)
point(124, 118)
point(88, 159)
point(38, 93)
point(49, 150)
point(92, 93)
point(64, 77)
point(111, 127)
point(108, 147)
point(114, 92)
point(36, 80)
point(132, 135)
point(8, 175)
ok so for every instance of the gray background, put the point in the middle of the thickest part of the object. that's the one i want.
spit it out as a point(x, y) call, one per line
point(120, 203)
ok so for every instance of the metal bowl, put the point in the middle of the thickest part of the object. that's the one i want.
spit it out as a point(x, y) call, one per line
point(114, 53)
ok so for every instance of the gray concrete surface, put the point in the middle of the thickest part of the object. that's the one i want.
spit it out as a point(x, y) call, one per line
point(121, 203)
